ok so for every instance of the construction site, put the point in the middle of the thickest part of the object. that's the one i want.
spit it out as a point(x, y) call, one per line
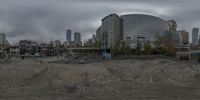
point(56, 79)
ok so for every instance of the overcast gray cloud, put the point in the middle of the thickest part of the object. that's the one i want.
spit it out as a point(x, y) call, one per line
point(48, 19)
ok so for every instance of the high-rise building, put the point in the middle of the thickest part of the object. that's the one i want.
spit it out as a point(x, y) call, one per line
point(98, 34)
point(93, 39)
point(2, 40)
point(98, 37)
point(199, 41)
point(178, 39)
point(195, 33)
point(184, 37)
point(172, 25)
point(111, 30)
point(68, 35)
point(77, 39)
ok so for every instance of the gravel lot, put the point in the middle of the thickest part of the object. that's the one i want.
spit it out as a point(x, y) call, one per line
point(157, 79)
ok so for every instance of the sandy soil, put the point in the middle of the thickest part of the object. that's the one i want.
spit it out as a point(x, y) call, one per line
point(157, 79)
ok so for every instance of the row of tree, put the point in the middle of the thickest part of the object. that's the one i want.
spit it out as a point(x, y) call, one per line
point(162, 46)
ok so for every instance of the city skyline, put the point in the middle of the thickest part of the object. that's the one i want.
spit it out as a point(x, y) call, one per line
point(49, 19)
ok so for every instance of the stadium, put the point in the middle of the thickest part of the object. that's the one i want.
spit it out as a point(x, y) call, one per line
point(141, 29)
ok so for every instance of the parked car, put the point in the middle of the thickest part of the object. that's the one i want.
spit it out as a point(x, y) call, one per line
point(37, 55)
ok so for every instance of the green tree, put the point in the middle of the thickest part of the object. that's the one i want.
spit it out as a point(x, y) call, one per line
point(126, 51)
point(158, 41)
point(97, 44)
point(112, 51)
point(147, 49)
point(169, 48)
point(138, 50)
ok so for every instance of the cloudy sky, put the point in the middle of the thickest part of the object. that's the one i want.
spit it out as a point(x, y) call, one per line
point(45, 20)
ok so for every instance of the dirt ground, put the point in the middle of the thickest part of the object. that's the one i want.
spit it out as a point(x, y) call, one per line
point(156, 79)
